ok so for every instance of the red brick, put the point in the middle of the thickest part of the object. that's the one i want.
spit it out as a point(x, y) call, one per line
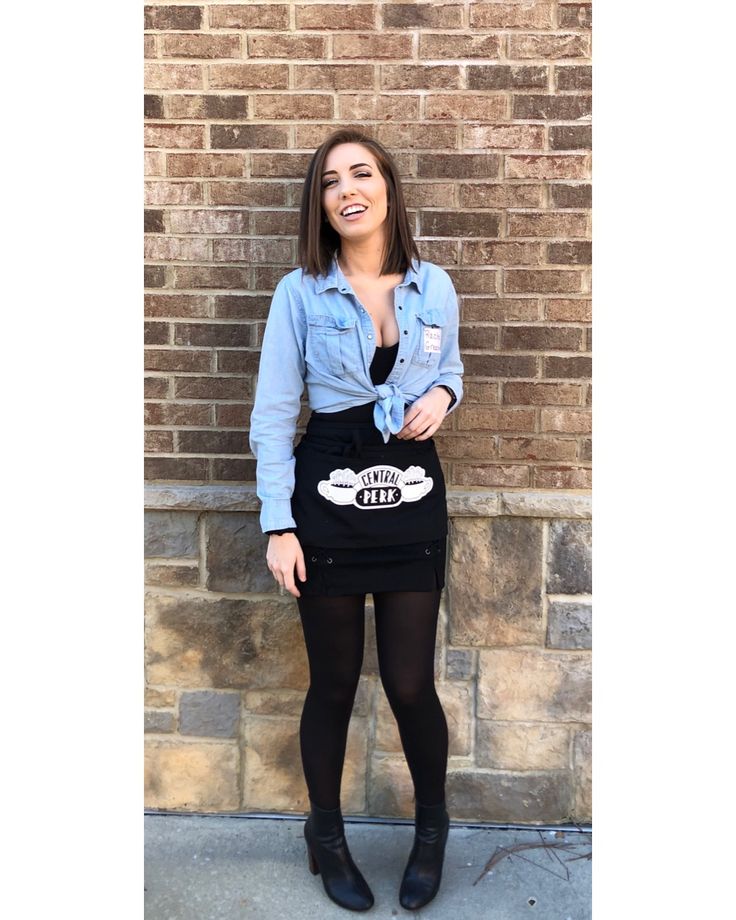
point(211, 388)
point(562, 195)
point(337, 77)
point(542, 394)
point(435, 47)
point(552, 108)
point(250, 16)
point(173, 76)
point(210, 105)
point(459, 223)
point(519, 281)
point(548, 47)
point(237, 361)
point(565, 477)
point(574, 16)
point(158, 441)
point(247, 192)
point(511, 16)
point(568, 253)
point(176, 18)
point(568, 311)
point(537, 449)
point(231, 335)
point(401, 135)
point(233, 415)
point(481, 392)
point(248, 76)
point(153, 106)
point(543, 338)
point(567, 367)
point(504, 76)
point(500, 195)
point(483, 337)
point(500, 310)
point(422, 15)
point(538, 166)
point(242, 306)
point(570, 137)
point(171, 305)
point(423, 76)
point(154, 276)
point(209, 276)
point(569, 421)
point(150, 46)
point(378, 106)
point(502, 253)
point(200, 46)
point(500, 366)
point(296, 106)
point(252, 251)
point(547, 223)
point(226, 469)
point(154, 163)
point(212, 442)
point(205, 164)
point(494, 419)
point(155, 333)
point(173, 193)
point(515, 137)
point(174, 249)
point(209, 221)
point(177, 359)
point(178, 414)
point(332, 16)
point(155, 387)
point(570, 77)
point(371, 45)
point(288, 45)
point(472, 106)
point(153, 221)
point(491, 476)
point(173, 469)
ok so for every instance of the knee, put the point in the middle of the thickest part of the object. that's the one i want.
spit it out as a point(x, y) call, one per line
point(408, 695)
point(335, 690)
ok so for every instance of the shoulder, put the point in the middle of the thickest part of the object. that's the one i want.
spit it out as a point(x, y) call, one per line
point(434, 275)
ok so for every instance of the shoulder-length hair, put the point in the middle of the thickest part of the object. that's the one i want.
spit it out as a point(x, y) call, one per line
point(318, 239)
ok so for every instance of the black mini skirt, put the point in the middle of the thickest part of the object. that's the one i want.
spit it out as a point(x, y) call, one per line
point(370, 516)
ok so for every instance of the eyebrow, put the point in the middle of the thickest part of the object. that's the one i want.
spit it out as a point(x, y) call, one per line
point(354, 166)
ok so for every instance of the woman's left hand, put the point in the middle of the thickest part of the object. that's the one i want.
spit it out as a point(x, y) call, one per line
point(425, 416)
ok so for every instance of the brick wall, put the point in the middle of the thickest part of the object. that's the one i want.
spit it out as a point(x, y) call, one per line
point(486, 108)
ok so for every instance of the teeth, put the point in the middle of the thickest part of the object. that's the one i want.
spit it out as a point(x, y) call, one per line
point(353, 209)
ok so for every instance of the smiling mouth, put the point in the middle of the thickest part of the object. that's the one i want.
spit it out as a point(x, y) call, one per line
point(354, 215)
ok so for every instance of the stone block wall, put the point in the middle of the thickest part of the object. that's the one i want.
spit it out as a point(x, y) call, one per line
point(226, 668)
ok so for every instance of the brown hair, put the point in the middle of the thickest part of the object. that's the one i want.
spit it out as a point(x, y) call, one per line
point(318, 239)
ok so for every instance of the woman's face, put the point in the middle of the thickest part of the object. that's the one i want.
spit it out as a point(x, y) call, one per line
point(351, 176)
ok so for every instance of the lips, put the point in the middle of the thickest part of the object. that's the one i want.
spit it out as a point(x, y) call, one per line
point(355, 214)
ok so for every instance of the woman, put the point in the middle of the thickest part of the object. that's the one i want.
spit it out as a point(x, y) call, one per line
point(359, 506)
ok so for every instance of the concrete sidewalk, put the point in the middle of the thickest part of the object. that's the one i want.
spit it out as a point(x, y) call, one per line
point(202, 867)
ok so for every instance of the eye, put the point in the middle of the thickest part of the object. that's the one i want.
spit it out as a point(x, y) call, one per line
point(330, 181)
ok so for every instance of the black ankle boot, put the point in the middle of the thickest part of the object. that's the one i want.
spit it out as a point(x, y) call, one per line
point(423, 872)
point(328, 854)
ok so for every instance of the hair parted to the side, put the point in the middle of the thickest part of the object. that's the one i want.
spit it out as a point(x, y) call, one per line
point(319, 241)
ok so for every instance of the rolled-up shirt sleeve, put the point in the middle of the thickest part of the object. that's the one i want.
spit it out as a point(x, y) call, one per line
point(450, 367)
point(276, 407)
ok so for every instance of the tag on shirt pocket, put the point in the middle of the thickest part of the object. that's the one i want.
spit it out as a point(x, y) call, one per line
point(431, 320)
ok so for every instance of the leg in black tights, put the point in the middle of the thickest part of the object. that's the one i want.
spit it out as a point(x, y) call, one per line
point(406, 630)
point(334, 634)
point(334, 631)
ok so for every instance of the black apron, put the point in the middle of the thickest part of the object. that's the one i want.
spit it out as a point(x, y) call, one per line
point(352, 490)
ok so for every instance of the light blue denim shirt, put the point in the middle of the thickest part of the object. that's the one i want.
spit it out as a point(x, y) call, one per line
point(320, 334)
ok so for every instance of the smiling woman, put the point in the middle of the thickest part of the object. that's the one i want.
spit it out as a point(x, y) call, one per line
point(359, 505)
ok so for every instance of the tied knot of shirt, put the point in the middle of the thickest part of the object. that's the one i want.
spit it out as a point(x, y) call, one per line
point(388, 412)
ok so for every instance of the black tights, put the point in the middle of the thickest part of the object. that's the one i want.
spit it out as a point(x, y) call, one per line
point(406, 627)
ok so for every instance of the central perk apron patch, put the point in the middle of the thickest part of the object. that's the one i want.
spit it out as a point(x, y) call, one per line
point(381, 486)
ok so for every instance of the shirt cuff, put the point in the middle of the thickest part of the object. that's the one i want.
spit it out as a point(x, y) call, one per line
point(276, 514)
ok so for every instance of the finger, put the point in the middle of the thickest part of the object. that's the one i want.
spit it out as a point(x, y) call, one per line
point(301, 568)
point(290, 586)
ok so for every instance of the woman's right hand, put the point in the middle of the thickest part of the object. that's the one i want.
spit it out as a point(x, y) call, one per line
point(284, 553)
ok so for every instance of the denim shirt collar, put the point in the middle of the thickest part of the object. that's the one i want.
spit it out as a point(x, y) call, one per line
point(335, 278)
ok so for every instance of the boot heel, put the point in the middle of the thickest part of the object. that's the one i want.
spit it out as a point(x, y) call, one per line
point(313, 867)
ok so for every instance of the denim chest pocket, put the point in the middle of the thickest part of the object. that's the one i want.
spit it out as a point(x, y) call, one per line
point(333, 343)
point(431, 323)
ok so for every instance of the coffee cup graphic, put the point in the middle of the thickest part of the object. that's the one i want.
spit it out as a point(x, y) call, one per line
point(416, 483)
point(340, 487)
